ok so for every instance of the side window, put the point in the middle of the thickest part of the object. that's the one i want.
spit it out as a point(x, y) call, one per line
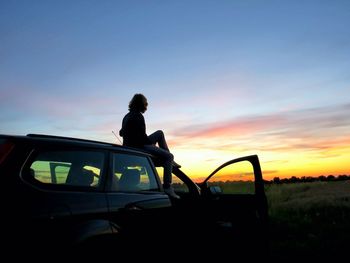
point(236, 178)
point(177, 183)
point(132, 173)
point(76, 168)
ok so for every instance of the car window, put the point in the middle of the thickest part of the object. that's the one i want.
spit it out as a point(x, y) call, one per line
point(236, 178)
point(75, 168)
point(132, 173)
point(178, 185)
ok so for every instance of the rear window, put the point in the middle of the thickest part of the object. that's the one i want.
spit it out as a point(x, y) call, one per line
point(5, 148)
point(67, 167)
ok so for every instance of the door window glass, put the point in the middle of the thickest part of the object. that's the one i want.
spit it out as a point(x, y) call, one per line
point(178, 185)
point(132, 173)
point(236, 178)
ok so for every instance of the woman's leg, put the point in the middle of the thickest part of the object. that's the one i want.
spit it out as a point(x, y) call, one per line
point(158, 137)
point(168, 162)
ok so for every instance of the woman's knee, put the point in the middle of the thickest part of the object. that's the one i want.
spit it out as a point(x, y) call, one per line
point(170, 157)
point(160, 133)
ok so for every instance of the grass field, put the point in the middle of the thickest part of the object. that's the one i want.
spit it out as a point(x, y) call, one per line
point(309, 220)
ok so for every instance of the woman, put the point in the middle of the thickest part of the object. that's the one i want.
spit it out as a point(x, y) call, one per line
point(134, 134)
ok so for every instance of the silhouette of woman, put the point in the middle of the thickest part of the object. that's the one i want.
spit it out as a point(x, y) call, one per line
point(134, 135)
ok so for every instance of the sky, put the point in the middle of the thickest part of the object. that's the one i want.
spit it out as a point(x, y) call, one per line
point(223, 79)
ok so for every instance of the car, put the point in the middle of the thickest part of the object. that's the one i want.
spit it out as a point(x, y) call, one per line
point(70, 194)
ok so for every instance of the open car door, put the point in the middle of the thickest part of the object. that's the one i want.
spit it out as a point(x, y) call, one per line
point(235, 207)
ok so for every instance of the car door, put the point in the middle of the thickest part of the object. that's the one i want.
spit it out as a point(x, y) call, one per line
point(138, 209)
point(233, 204)
point(65, 195)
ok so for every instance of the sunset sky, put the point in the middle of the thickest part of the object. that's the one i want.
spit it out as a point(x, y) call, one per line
point(223, 79)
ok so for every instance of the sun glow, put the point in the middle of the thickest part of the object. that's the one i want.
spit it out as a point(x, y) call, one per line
point(199, 163)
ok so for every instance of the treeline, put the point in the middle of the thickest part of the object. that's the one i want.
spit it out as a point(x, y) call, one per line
point(304, 179)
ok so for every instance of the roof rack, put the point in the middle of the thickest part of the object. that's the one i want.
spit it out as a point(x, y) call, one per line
point(66, 138)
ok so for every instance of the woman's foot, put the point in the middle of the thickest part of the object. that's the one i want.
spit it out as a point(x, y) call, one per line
point(176, 165)
point(170, 192)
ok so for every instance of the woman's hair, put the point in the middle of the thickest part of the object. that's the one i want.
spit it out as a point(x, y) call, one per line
point(138, 103)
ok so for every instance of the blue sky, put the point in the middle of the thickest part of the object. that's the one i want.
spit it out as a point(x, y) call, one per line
point(70, 68)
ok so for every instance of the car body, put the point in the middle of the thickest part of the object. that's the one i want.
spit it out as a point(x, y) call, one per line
point(69, 194)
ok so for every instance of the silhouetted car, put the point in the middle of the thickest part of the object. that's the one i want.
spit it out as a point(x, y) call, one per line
point(66, 194)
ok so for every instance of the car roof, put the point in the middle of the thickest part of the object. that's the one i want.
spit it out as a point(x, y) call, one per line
point(54, 139)
point(42, 138)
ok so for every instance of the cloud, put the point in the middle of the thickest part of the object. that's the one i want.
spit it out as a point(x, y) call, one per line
point(317, 129)
point(236, 127)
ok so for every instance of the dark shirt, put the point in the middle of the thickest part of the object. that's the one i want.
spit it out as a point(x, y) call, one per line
point(133, 130)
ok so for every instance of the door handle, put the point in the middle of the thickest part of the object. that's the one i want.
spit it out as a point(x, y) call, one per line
point(132, 208)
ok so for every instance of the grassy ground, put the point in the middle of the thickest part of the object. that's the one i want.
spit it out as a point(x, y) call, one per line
point(309, 219)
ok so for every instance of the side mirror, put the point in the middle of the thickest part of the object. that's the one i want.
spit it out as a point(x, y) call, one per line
point(215, 190)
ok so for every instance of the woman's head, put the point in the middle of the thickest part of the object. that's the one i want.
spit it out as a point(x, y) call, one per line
point(138, 103)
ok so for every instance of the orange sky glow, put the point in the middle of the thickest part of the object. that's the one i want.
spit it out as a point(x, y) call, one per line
point(310, 143)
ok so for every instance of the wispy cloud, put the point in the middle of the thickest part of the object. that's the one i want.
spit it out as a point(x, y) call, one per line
point(238, 127)
point(317, 129)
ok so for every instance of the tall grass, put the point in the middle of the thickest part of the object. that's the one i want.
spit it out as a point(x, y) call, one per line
point(309, 219)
